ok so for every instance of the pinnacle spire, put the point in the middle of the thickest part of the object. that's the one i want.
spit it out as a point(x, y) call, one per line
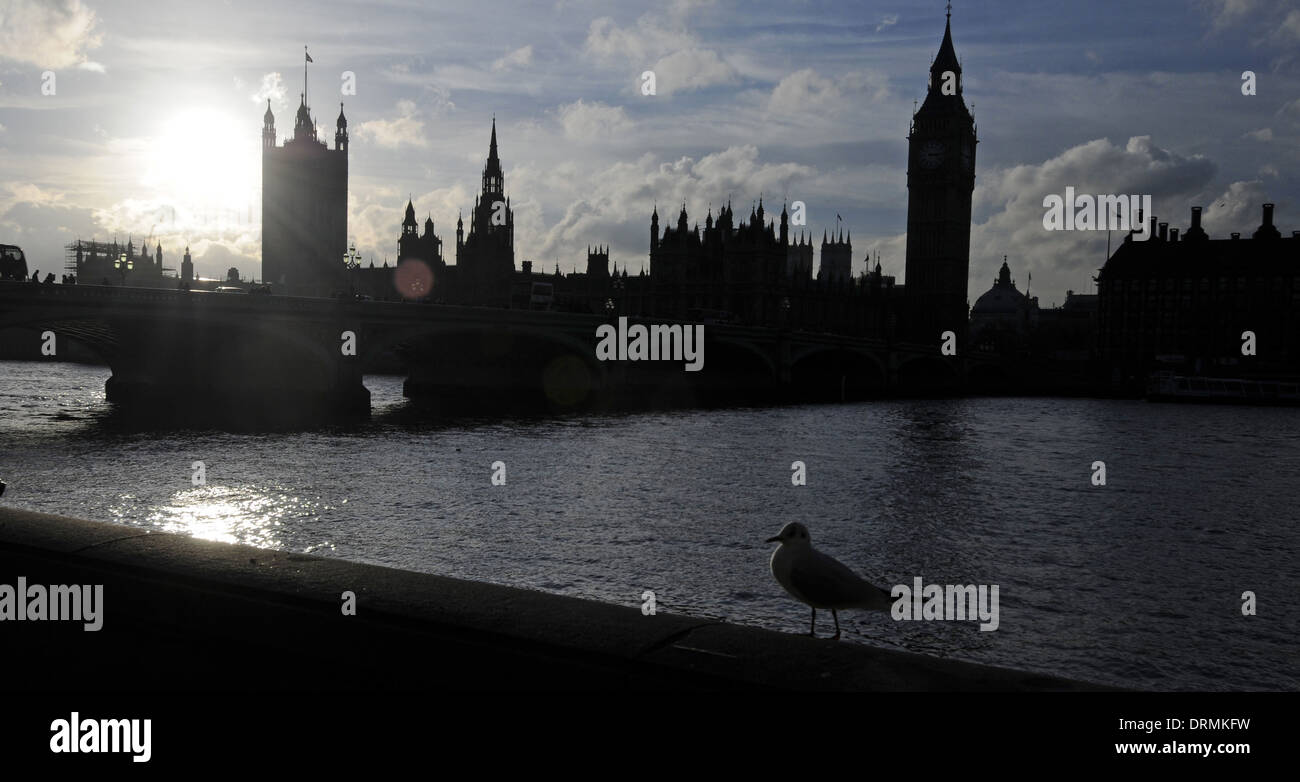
point(946, 59)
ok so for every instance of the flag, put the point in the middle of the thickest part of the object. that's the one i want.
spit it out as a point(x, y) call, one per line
point(309, 59)
point(837, 216)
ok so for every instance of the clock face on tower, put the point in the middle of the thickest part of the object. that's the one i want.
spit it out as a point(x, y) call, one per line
point(931, 154)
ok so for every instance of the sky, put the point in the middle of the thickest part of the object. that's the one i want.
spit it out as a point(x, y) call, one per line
point(142, 118)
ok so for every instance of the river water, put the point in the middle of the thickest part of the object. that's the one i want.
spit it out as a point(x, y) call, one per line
point(1138, 582)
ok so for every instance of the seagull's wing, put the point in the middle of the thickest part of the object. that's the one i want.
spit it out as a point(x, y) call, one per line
point(826, 583)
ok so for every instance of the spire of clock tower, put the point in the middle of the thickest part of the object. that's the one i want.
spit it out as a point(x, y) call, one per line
point(945, 87)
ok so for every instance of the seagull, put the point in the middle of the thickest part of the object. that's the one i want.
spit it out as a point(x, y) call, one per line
point(819, 580)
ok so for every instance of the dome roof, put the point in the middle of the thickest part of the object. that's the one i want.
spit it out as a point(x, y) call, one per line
point(1002, 298)
point(1000, 301)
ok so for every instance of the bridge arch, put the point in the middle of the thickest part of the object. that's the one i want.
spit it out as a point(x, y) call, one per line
point(476, 364)
point(988, 377)
point(929, 374)
point(834, 373)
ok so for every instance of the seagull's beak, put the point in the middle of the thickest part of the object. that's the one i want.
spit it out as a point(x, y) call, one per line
point(776, 539)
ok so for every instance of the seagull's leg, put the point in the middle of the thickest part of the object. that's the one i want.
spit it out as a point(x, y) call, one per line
point(812, 628)
point(837, 625)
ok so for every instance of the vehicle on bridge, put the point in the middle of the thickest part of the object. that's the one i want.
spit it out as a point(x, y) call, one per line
point(13, 264)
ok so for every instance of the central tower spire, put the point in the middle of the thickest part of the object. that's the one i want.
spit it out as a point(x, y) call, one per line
point(493, 178)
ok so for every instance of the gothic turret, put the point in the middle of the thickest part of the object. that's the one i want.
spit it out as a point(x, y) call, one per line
point(268, 127)
point(341, 131)
point(493, 178)
point(408, 222)
point(302, 124)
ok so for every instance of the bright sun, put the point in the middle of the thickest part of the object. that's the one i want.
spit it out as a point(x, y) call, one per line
point(205, 161)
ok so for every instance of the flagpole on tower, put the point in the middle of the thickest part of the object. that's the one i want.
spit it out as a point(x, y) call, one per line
point(306, 59)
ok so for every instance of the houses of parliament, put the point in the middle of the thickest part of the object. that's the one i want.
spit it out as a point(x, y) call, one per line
point(753, 270)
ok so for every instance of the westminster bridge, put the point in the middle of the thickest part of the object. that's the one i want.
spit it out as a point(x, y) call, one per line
point(266, 356)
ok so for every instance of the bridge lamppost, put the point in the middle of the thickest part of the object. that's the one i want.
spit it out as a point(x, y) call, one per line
point(123, 264)
point(351, 261)
point(618, 292)
point(352, 258)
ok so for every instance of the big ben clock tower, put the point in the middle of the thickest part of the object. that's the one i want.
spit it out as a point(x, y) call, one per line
point(940, 180)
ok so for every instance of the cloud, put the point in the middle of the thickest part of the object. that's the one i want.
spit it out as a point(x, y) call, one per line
point(807, 91)
point(28, 193)
point(1228, 13)
point(680, 9)
point(690, 69)
point(888, 20)
point(516, 59)
point(1238, 208)
point(271, 88)
point(41, 220)
point(679, 60)
point(590, 121)
point(406, 129)
point(1263, 134)
point(1290, 110)
point(1290, 27)
point(1278, 17)
point(647, 41)
point(48, 33)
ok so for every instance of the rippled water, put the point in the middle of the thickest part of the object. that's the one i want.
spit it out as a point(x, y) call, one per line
point(1136, 583)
